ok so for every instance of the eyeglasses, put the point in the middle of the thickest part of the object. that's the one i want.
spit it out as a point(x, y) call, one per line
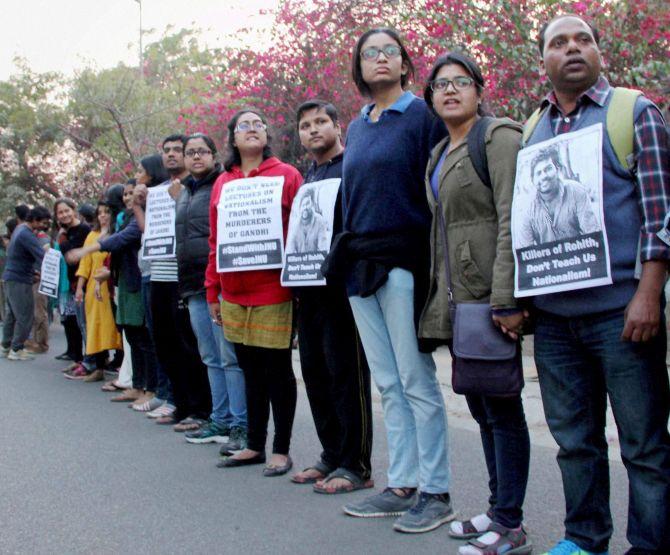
point(256, 125)
point(175, 149)
point(200, 152)
point(459, 83)
point(389, 51)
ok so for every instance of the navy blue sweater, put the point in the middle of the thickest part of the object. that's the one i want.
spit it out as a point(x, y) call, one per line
point(385, 163)
point(23, 252)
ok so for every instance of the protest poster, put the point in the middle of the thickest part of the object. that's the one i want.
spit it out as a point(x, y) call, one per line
point(558, 232)
point(310, 231)
point(50, 273)
point(159, 240)
point(250, 234)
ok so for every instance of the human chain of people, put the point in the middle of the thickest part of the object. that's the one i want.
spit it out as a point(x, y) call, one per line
point(432, 223)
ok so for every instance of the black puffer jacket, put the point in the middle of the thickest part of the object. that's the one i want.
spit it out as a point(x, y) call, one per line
point(192, 227)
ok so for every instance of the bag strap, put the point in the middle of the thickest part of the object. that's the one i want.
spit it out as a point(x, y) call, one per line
point(530, 125)
point(477, 149)
point(447, 266)
point(621, 124)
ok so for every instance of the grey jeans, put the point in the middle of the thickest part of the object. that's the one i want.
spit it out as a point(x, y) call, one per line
point(20, 314)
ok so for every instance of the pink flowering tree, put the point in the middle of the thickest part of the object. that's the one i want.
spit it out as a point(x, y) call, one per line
point(312, 43)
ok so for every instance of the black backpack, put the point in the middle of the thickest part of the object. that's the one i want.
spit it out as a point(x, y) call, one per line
point(477, 149)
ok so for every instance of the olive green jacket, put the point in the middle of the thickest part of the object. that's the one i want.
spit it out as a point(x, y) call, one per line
point(477, 220)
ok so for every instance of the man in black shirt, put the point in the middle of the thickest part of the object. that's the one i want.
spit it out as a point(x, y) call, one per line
point(334, 369)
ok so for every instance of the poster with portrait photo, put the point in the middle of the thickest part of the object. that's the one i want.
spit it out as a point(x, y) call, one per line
point(310, 231)
point(558, 233)
point(250, 234)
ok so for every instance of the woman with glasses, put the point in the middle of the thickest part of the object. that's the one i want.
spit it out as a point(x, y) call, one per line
point(476, 219)
point(256, 311)
point(384, 256)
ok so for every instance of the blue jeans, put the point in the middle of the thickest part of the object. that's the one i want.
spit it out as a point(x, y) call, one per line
point(163, 386)
point(506, 444)
point(88, 361)
point(581, 361)
point(226, 380)
point(414, 412)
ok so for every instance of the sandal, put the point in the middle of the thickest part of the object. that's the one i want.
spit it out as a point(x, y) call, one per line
point(469, 528)
point(356, 482)
point(319, 467)
point(113, 386)
point(499, 540)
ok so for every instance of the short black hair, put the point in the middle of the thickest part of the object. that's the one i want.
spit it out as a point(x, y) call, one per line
point(316, 104)
point(549, 153)
point(155, 169)
point(357, 72)
point(207, 139)
point(174, 138)
point(11, 225)
point(87, 211)
point(233, 157)
point(38, 213)
point(22, 212)
point(463, 60)
point(545, 26)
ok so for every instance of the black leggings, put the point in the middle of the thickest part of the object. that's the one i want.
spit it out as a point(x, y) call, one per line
point(73, 338)
point(143, 357)
point(269, 380)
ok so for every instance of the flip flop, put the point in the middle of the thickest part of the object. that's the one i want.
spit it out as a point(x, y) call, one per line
point(319, 466)
point(356, 483)
point(113, 386)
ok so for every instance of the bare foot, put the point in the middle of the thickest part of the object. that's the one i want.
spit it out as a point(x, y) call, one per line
point(308, 475)
point(334, 484)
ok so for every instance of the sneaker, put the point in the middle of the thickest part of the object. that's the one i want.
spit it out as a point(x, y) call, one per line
point(209, 433)
point(382, 504)
point(95, 376)
point(237, 440)
point(431, 511)
point(166, 409)
point(77, 373)
point(4, 351)
point(566, 547)
point(21, 354)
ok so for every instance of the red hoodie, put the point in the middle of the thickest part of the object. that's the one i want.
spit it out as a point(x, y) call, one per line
point(251, 287)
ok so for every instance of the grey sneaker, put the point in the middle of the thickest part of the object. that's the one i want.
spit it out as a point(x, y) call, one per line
point(22, 354)
point(431, 511)
point(382, 504)
point(4, 351)
point(209, 433)
point(237, 440)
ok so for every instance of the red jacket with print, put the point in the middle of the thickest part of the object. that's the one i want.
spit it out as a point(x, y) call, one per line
point(251, 287)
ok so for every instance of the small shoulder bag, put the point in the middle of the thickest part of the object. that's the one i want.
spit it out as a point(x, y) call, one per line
point(485, 361)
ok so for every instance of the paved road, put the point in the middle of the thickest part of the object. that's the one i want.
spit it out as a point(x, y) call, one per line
point(79, 474)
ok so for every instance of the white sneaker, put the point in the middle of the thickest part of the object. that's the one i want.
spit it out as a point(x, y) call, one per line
point(166, 409)
point(21, 354)
point(4, 351)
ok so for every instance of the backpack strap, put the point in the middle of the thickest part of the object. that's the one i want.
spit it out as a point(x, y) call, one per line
point(620, 124)
point(477, 149)
point(530, 125)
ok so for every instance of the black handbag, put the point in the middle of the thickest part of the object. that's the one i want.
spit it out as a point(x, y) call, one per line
point(484, 361)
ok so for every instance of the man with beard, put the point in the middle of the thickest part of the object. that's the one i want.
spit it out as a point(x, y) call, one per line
point(561, 208)
point(312, 232)
point(334, 368)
